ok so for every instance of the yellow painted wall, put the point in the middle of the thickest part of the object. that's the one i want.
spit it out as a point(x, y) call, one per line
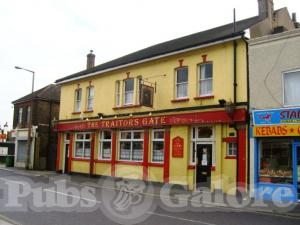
point(80, 167)
point(178, 166)
point(103, 169)
point(156, 174)
point(129, 171)
point(221, 55)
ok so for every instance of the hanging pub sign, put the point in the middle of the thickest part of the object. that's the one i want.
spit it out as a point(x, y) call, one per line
point(177, 150)
point(147, 93)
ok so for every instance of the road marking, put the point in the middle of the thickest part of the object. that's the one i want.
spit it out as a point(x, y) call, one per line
point(180, 218)
point(73, 196)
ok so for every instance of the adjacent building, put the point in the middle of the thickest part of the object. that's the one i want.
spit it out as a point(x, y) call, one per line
point(275, 105)
point(39, 108)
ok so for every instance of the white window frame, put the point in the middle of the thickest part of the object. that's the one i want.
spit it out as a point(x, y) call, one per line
point(90, 98)
point(152, 145)
point(196, 140)
point(77, 105)
point(200, 80)
point(20, 115)
point(101, 141)
point(283, 86)
point(118, 93)
point(82, 140)
point(128, 92)
point(231, 148)
point(131, 140)
point(182, 83)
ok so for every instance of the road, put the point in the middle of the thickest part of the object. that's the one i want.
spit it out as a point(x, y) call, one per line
point(59, 200)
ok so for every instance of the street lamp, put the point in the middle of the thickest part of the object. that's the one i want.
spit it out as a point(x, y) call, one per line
point(20, 68)
point(30, 119)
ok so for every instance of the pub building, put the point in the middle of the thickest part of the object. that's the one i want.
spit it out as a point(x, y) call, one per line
point(276, 134)
point(171, 113)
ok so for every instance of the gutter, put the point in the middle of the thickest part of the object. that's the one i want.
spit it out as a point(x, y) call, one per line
point(150, 59)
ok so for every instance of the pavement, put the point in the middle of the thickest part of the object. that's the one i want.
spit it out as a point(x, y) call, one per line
point(174, 206)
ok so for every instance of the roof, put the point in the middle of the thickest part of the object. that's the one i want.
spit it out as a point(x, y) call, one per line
point(50, 92)
point(193, 40)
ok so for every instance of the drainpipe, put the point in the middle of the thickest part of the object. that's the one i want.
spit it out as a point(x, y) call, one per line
point(234, 105)
point(248, 117)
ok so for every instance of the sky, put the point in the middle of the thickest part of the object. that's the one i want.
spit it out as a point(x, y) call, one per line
point(53, 37)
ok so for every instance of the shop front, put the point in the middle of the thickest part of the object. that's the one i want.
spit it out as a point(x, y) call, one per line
point(277, 154)
point(190, 149)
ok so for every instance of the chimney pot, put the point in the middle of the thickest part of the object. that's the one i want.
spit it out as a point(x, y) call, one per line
point(90, 63)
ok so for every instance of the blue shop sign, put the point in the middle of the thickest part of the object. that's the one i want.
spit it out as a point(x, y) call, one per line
point(276, 116)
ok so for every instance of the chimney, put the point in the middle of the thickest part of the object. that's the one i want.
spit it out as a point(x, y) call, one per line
point(265, 8)
point(90, 60)
point(294, 19)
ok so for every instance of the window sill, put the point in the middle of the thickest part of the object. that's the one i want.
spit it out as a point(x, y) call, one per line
point(126, 107)
point(88, 111)
point(230, 157)
point(154, 164)
point(230, 140)
point(180, 100)
point(76, 113)
point(191, 167)
point(102, 160)
point(204, 97)
point(81, 159)
point(134, 163)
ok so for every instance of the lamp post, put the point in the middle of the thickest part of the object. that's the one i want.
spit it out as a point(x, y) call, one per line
point(30, 119)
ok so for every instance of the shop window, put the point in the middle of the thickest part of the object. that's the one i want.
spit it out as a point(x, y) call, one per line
point(128, 91)
point(77, 106)
point(83, 145)
point(291, 88)
point(90, 98)
point(118, 93)
point(158, 145)
point(231, 149)
point(205, 79)
point(182, 82)
point(131, 145)
point(105, 144)
point(275, 162)
point(20, 114)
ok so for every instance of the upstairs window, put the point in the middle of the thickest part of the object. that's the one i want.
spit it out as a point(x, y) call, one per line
point(128, 91)
point(118, 93)
point(205, 79)
point(291, 88)
point(182, 82)
point(90, 98)
point(77, 106)
point(20, 115)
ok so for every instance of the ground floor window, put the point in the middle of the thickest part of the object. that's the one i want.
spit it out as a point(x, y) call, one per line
point(82, 145)
point(275, 161)
point(231, 149)
point(105, 144)
point(131, 145)
point(158, 145)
